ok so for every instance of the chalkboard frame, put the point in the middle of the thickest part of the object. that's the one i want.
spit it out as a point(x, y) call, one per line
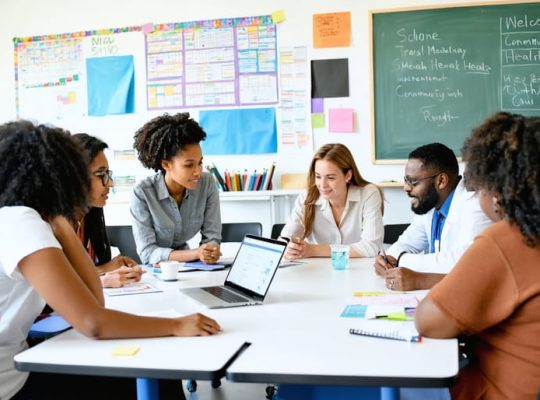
point(371, 15)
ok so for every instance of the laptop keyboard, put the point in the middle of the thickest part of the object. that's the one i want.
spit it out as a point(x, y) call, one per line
point(224, 294)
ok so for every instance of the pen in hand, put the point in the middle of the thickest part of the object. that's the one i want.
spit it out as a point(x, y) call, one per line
point(386, 259)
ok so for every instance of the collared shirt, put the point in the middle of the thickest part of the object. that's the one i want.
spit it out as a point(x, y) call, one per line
point(437, 223)
point(361, 224)
point(161, 226)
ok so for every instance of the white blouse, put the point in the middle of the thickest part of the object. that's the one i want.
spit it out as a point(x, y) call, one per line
point(361, 224)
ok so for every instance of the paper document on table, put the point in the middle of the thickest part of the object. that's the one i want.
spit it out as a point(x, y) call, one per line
point(132, 288)
point(403, 300)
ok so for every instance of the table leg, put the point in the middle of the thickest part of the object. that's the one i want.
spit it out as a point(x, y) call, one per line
point(147, 389)
point(389, 393)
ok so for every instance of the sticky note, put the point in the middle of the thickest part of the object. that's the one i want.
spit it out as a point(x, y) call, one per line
point(147, 28)
point(125, 350)
point(317, 120)
point(341, 120)
point(361, 294)
point(278, 16)
point(354, 311)
point(317, 105)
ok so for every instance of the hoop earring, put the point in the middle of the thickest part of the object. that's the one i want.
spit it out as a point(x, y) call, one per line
point(496, 205)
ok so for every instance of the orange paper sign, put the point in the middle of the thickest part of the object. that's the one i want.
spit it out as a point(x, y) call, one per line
point(332, 30)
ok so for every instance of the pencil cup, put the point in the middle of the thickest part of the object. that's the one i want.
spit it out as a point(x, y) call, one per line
point(340, 256)
point(169, 270)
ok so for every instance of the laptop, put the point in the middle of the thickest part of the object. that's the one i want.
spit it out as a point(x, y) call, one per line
point(248, 279)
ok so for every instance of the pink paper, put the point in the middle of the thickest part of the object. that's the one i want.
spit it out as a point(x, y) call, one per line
point(341, 120)
point(147, 28)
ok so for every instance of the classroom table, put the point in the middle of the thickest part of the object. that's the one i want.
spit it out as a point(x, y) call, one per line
point(296, 336)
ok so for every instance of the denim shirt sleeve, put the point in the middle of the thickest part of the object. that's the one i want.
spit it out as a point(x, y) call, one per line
point(143, 229)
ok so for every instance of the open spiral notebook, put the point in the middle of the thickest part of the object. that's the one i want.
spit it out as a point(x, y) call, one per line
point(405, 331)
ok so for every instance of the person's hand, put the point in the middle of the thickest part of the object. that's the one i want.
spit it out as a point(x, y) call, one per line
point(120, 261)
point(297, 248)
point(196, 325)
point(121, 276)
point(209, 253)
point(401, 279)
point(381, 266)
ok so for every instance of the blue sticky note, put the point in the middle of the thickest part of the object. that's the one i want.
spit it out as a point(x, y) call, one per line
point(241, 131)
point(354, 311)
point(111, 85)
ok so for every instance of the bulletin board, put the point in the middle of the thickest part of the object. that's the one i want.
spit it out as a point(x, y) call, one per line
point(228, 62)
point(53, 74)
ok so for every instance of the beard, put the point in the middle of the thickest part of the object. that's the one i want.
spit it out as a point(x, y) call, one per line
point(427, 202)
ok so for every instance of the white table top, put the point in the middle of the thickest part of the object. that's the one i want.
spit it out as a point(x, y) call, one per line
point(296, 336)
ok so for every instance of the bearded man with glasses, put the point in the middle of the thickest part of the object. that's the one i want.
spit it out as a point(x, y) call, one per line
point(447, 219)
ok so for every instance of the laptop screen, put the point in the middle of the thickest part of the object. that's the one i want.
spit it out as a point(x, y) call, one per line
point(255, 264)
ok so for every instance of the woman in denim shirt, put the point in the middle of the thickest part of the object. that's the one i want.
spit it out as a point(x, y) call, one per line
point(180, 200)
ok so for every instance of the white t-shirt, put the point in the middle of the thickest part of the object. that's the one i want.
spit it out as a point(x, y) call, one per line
point(22, 232)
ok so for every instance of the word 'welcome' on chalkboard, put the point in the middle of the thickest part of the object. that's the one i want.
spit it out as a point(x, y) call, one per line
point(438, 73)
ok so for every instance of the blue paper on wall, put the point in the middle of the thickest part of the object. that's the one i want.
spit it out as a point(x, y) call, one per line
point(111, 85)
point(242, 131)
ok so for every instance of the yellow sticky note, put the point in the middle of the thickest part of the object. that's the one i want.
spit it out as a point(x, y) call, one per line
point(364, 294)
point(125, 350)
point(317, 120)
point(278, 16)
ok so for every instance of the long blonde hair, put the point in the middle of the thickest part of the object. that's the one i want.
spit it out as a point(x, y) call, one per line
point(341, 156)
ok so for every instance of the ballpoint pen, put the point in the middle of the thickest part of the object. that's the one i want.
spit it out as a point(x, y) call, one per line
point(385, 257)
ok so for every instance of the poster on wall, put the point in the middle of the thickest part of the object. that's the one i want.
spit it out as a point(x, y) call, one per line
point(214, 63)
point(53, 74)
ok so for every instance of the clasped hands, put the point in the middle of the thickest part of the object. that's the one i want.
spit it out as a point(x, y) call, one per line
point(209, 253)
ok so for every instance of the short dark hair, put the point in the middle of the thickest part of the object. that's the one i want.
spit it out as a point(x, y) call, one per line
point(162, 137)
point(42, 168)
point(95, 230)
point(502, 157)
point(437, 156)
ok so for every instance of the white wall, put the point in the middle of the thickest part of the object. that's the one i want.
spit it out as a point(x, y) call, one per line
point(29, 17)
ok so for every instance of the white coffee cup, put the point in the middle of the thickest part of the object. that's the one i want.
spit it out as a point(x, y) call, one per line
point(169, 270)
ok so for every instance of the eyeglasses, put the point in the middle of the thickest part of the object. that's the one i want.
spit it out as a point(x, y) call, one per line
point(415, 182)
point(105, 176)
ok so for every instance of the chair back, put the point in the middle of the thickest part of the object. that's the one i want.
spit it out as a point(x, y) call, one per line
point(276, 230)
point(121, 236)
point(392, 232)
point(235, 232)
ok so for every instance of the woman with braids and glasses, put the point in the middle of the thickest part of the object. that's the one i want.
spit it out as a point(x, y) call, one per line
point(339, 207)
point(492, 295)
point(180, 200)
point(44, 180)
point(90, 224)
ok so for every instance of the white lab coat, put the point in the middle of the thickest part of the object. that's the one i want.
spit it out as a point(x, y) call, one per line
point(464, 222)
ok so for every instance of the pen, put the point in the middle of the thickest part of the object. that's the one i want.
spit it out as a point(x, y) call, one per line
point(385, 257)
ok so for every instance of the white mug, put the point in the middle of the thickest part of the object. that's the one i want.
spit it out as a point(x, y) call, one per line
point(169, 270)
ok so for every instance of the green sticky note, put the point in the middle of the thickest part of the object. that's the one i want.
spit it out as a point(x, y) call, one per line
point(317, 120)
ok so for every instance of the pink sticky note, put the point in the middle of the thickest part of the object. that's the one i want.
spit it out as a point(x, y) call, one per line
point(147, 28)
point(341, 120)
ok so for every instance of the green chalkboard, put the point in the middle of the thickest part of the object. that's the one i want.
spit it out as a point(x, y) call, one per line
point(438, 73)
